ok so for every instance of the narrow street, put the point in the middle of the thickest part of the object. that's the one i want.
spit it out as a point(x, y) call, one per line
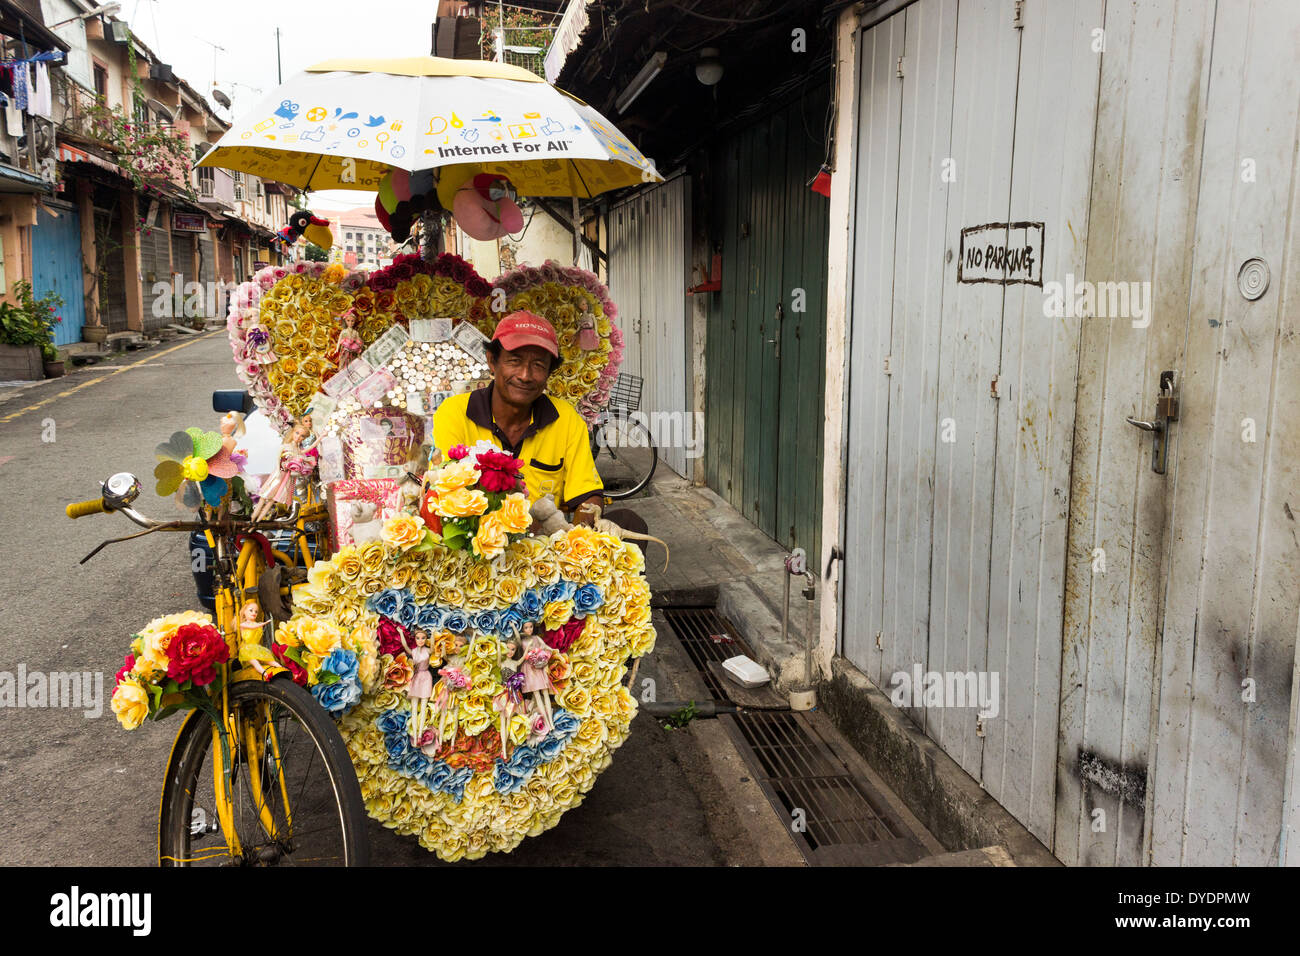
point(81, 791)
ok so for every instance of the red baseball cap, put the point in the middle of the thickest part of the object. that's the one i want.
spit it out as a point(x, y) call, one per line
point(526, 328)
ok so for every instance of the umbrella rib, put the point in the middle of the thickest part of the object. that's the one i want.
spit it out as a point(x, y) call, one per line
point(315, 169)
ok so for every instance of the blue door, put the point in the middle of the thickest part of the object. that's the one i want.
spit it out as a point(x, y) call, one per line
point(56, 266)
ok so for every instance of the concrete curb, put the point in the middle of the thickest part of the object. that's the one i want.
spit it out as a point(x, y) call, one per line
point(951, 804)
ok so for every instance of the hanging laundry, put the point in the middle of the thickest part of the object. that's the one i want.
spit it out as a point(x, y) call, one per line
point(42, 94)
point(13, 119)
point(19, 73)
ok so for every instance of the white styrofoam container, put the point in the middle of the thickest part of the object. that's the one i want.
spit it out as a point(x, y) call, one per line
point(746, 672)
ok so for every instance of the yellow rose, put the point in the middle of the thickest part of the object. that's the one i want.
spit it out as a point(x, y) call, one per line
point(131, 704)
point(371, 585)
point(403, 531)
point(461, 503)
point(514, 514)
point(451, 596)
point(372, 557)
point(319, 637)
point(402, 576)
point(491, 537)
point(477, 578)
point(422, 588)
point(547, 571)
point(456, 474)
point(636, 615)
point(576, 700)
point(476, 725)
point(556, 613)
point(507, 590)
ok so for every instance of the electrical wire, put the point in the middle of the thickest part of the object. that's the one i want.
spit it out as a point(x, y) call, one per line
point(730, 20)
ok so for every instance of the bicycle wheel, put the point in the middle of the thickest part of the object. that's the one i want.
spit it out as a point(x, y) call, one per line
point(313, 804)
point(625, 455)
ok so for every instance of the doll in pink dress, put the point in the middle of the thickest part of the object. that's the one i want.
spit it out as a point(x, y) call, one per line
point(537, 682)
point(420, 688)
point(295, 464)
point(258, 345)
point(453, 683)
point(349, 344)
point(588, 340)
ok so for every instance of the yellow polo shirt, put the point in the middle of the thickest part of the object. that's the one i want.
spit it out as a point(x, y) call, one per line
point(555, 449)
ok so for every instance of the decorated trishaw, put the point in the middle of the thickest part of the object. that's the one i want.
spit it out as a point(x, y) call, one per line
point(471, 646)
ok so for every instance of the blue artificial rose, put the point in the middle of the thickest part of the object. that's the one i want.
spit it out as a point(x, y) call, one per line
point(559, 591)
point(456, 621)
point(566, 724)
point(485, 622)
point(532, 604)
point(455, 786)
point(406, 615)
point(430, 617)
point(550, 747)
point(510, 621)
point(503, 781)
point(586, 599)
point(386, 602)
point(339, 697)
point(437, 775)
point(528, 760)
point(342, 662)
point(392, 722)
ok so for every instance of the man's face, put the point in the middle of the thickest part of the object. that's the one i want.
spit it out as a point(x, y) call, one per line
point(520, 376)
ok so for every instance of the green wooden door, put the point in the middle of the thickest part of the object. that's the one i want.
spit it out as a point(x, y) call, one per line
point(767, 327)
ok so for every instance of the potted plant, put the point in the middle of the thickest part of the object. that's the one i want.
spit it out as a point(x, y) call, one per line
point(26, 326)
point(51, 361)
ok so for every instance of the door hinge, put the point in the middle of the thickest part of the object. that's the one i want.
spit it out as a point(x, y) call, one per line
point(889, 363)
point(879, 636)
point(1018, 14)
point(979, 726)
point(900, 67)
point(993, 386)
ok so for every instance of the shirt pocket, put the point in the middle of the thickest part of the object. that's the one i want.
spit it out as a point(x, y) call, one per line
point(542, 466)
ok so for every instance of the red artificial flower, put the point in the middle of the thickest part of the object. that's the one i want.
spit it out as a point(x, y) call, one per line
point(401, 271)
point(294, 668)
point(390, 637)
point(457, 452)
point(566, 636)
point(194, 651)
point(498, 471)
point(126, 669)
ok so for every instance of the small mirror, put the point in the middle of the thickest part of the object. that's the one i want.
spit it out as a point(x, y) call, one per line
point(232, 400)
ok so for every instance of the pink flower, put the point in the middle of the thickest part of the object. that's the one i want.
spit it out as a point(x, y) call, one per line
point(457, 452)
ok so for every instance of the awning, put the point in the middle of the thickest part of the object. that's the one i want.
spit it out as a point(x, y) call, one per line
point(71, 154)
point(15, 180)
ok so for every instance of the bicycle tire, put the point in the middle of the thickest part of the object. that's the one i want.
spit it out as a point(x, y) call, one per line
point(632, 471)
point(189, 781)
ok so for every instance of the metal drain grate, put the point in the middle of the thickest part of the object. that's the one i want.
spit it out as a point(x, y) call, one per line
point(844, 821)
point(700, 629)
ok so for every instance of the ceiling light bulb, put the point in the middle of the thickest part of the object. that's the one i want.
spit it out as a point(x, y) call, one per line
point(709, 70)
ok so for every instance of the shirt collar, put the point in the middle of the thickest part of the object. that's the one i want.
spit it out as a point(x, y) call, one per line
point(479, 410)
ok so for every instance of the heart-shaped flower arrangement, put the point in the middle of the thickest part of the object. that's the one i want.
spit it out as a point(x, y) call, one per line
point(284, 323)
point(572, 608)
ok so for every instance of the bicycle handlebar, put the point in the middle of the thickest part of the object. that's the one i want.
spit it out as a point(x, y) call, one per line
point(79, 509)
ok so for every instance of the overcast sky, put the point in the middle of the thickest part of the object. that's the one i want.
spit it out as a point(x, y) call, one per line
point(176, 30)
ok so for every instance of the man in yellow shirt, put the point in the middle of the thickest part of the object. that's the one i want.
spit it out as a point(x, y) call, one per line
point(546, 434)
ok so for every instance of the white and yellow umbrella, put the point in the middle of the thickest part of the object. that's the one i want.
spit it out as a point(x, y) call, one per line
point(344, 123)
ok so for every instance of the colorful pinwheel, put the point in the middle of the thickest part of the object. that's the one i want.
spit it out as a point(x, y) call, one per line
point(194, 465)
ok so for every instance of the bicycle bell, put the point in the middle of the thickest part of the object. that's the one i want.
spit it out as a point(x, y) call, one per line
point(120, 490)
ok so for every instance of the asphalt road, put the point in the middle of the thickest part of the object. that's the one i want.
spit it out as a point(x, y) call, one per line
point(79, 790)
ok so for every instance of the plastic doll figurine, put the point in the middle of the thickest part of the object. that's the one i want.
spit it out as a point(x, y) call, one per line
point(232, 429)
point(510, 699)
point(259, 344)
point(251, 649)
point(453, 684)
point(294, 465)
point(420, 688)
point(588, 340)
point(537, 681)
point(350, 344)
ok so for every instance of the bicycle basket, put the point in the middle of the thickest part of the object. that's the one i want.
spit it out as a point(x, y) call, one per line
point(625, 396)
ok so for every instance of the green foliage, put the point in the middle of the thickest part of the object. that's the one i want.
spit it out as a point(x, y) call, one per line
point(681, 717)
point(31, 320)
point(316, 254)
